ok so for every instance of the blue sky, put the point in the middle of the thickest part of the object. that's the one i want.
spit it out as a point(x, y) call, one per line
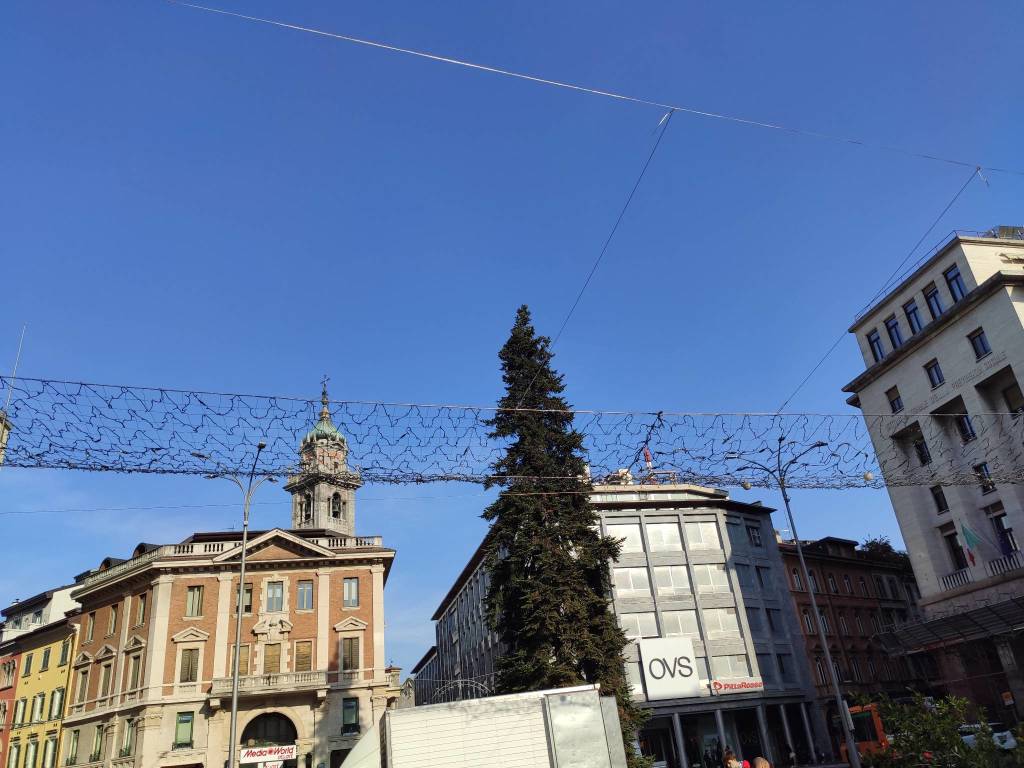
point(191, 200)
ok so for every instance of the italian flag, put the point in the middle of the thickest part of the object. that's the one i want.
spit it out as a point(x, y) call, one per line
point(971, 541)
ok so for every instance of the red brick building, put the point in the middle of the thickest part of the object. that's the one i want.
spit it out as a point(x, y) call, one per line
point(10, 662)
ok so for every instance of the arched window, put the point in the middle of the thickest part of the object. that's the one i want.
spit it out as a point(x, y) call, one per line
point(307, 508)
point(269, 729)
point(336, 506)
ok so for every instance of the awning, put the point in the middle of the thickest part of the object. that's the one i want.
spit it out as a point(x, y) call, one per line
point(1001, 617)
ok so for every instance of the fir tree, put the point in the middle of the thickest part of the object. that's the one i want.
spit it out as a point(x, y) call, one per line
point(548, 598)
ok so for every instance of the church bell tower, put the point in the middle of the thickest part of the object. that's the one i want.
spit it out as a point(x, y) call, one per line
point(324, 491)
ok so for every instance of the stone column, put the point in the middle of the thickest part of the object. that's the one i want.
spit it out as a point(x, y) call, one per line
point(810, 735)
point(677, 734)
point(323, 617)
point(227, 609)
point(1013, 671)
point(720, 724)
point(789, 735)
point(157, 644)
point(377, 572)
point(762, 724)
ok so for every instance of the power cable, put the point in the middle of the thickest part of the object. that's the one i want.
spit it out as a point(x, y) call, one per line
point(603, 92)
point(883, 289)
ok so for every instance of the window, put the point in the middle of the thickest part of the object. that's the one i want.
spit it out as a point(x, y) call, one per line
point(939, 497)
point(275, 596)
point(754, 535)
point(935, 377)
point(134, 671)
point(814, 581)
point(1014, 399)
point(721, 622)
point(194, 601)
point(26, 668)
point(128, 738)
point(785, 666)
point(633, 678)
point(350, 654)
point(754, 620)
point(847, 585)
point(97, 744)
point(955, 283)
point(30, 753)
point(825, 621)
point(895, 401)
point(730, 666)
point(872, 672)
point(82, 688)
point(1004, 533)
point(183, 730)
point(743, 576)
point(934, 301)
point(843, 628)
point(664, 537)
point(892, 328)
point(44, 664)
point(13, 754)
point(798, 583)
point(630, 534)
point(243, 657)
point(859, 624)
point(671, 580)
point(913, 316)
point(90, 626)
point(140, 609)
point(702, 536)
point(679, 624)
point(774, 619)
point(924, 456)
point(37, 616)
point(351, 592)
point(964, 427)
point(808, 622)
point(304, 598)
point(763, 576)
point(637, 625)
point(832, 585)
point(956, 552)
point(72, 753)
point(303, 655)
point(189, 665)
point(19, 711)
point(631, 582)
point(864, 587)
point(247, 598)
point(875, 626)
point(766, 668)
point(336, 506)
point(984, 477)
point(38, 703)
point(711, 578)
point(271, 658)
point(855, 668)
point(56, 705)
point(112, 620)
point(879, 586)
point(979, 343)
point(875, 345)
point(349, 716)
point(65, 652)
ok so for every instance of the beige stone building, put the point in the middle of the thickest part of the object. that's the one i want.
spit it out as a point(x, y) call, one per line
point(941, 392)
point(151, 679)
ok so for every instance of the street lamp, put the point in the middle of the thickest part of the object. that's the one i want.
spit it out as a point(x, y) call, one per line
point(248, 489)
point(778, 474)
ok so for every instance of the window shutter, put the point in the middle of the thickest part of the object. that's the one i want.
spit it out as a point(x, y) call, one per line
point(350, 653)
point(303, 656)
point(272, 658)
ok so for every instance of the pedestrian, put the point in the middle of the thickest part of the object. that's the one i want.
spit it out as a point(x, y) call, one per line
point(760, 762)
point(729, 759)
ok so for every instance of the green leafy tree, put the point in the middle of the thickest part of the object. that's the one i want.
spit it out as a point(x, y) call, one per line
point(880, 548)
point(925, 734)
point(548, 598)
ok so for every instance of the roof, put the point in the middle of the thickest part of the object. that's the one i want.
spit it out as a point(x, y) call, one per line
point(1002, 617)
point(42, 597)
point(324, 429)
point(423, 662)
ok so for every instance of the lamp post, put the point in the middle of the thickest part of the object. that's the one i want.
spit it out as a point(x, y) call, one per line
point(778, 474)
point(248, 489)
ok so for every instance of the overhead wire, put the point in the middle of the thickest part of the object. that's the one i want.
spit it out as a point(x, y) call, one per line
point(881, 291)
point(603, 92)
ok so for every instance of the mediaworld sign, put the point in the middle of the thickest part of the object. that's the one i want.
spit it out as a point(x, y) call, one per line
point(669, 668)
point(267, 754)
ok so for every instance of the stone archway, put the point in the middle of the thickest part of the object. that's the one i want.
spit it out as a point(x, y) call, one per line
point(270, 728)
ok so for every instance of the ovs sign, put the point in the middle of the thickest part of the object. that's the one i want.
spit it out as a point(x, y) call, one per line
point(669, 668)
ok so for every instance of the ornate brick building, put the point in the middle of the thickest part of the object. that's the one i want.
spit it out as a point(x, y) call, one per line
point(151, 679)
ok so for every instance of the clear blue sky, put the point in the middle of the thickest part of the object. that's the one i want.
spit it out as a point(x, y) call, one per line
point(189, 200)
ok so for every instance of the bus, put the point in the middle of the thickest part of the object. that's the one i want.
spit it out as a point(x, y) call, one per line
point(867, 731)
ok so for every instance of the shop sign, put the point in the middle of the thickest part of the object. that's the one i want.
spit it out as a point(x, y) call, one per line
point(273, 764)
point(267, 754)
point(669, 668)
point(737, 685)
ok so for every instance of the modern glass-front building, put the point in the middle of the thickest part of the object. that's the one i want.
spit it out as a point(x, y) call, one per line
point(716, 653)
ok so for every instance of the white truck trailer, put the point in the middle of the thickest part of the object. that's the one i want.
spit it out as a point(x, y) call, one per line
point(558, 728)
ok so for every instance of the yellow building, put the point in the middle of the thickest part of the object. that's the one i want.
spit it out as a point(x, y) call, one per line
point(45, 640)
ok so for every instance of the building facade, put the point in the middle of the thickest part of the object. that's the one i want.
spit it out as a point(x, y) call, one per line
point(943, 353)
point(35, 661)
point(858, 595)
point(699, 578)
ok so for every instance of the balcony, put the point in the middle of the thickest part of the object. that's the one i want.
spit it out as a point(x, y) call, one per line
point(278, 682)
point(956, 579)
point(1011, 562)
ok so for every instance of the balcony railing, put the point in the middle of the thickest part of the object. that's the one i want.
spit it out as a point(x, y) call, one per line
point(1011, 562)
point(956, 579)
point(274, 682)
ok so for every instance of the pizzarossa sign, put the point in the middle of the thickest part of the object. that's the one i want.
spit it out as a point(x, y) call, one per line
point(264, 754)
point(737, 686)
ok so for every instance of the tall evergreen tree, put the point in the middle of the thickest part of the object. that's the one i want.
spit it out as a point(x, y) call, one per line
point(548, 598)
